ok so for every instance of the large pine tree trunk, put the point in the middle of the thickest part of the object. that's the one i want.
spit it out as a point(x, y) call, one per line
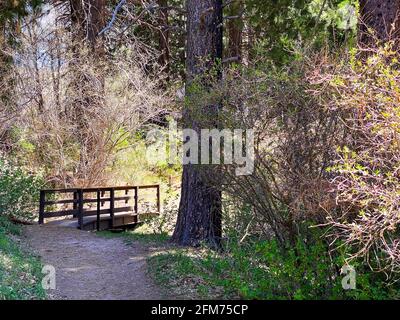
point(381, 16)
point(199, 218)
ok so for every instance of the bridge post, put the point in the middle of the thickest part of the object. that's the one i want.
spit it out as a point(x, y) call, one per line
point(158, 199)
point(75, 205)
point(136, 197)
point(98, 210)
point(42, 206)
point(112, 206)
point(80, 209)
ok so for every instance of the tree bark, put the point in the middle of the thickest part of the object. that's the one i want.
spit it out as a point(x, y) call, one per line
point(382, 16)
point(3, 93)
point(163, 37)
point(88, 18)
point(4, 61)
point(235, 30)
point(7, 94)
point(199, 217)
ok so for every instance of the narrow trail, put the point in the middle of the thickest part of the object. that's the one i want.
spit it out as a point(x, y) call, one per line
point(91, 267)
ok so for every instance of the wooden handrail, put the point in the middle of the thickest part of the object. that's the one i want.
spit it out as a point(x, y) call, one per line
point(94, 189)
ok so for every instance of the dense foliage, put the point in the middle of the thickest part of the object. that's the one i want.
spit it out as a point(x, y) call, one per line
point(281, 26)
point(19, 192)
point(366, 173)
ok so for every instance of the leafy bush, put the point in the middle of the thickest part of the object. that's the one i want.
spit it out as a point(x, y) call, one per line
point(19, 191)
point(365, 90)
point(164, 223)
point(262, 270)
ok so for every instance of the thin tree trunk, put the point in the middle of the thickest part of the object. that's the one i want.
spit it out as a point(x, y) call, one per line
point(199, 218)
point(88, 18)
point(235, 30)
point(6, 89)
point(4, 60)
point(163, 37)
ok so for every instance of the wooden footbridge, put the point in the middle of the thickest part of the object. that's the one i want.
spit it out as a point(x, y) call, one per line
point(100, 208)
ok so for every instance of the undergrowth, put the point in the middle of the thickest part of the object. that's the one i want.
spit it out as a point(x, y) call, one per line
point(261, 270)
point(20, 272)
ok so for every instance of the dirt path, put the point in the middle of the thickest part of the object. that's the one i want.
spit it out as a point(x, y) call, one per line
point(91, 267)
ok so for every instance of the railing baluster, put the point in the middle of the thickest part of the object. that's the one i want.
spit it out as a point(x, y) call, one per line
point(158, 199)
point(103, 193)
point(98, 209)
point(112, 198)
point(80, 209)
point(75, 205)
point(136, 200)
point(42, 206)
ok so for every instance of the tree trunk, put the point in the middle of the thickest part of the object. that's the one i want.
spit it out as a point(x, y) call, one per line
point(3, 93)
point(88, 18)
point(235, 30)
point(199, 218)
point(7, 95)
point(4, 63)
point(381, 16)
point(163, 37)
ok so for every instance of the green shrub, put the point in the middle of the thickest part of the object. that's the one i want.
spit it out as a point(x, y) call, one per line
point(262, 270)
point(19, 191)
point(365, 176)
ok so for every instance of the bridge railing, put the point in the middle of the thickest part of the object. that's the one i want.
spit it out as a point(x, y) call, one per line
point(103, 204)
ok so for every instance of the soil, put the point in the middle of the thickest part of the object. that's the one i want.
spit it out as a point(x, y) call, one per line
point(90, 267)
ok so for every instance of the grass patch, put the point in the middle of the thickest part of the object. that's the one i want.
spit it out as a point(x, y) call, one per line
point(20, 272)
point(141, 233)
point(187, 273)
point(181, 271)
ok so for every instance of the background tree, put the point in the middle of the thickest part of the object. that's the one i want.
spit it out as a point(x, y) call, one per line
point(164, 32)
point(10, 14)
point(379, 19)
point(87, 19)
point(235, 30)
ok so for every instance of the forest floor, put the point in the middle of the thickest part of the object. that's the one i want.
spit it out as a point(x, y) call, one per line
point(92, 267)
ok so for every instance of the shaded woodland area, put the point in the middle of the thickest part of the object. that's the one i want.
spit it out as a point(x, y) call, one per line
point(83, 82)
